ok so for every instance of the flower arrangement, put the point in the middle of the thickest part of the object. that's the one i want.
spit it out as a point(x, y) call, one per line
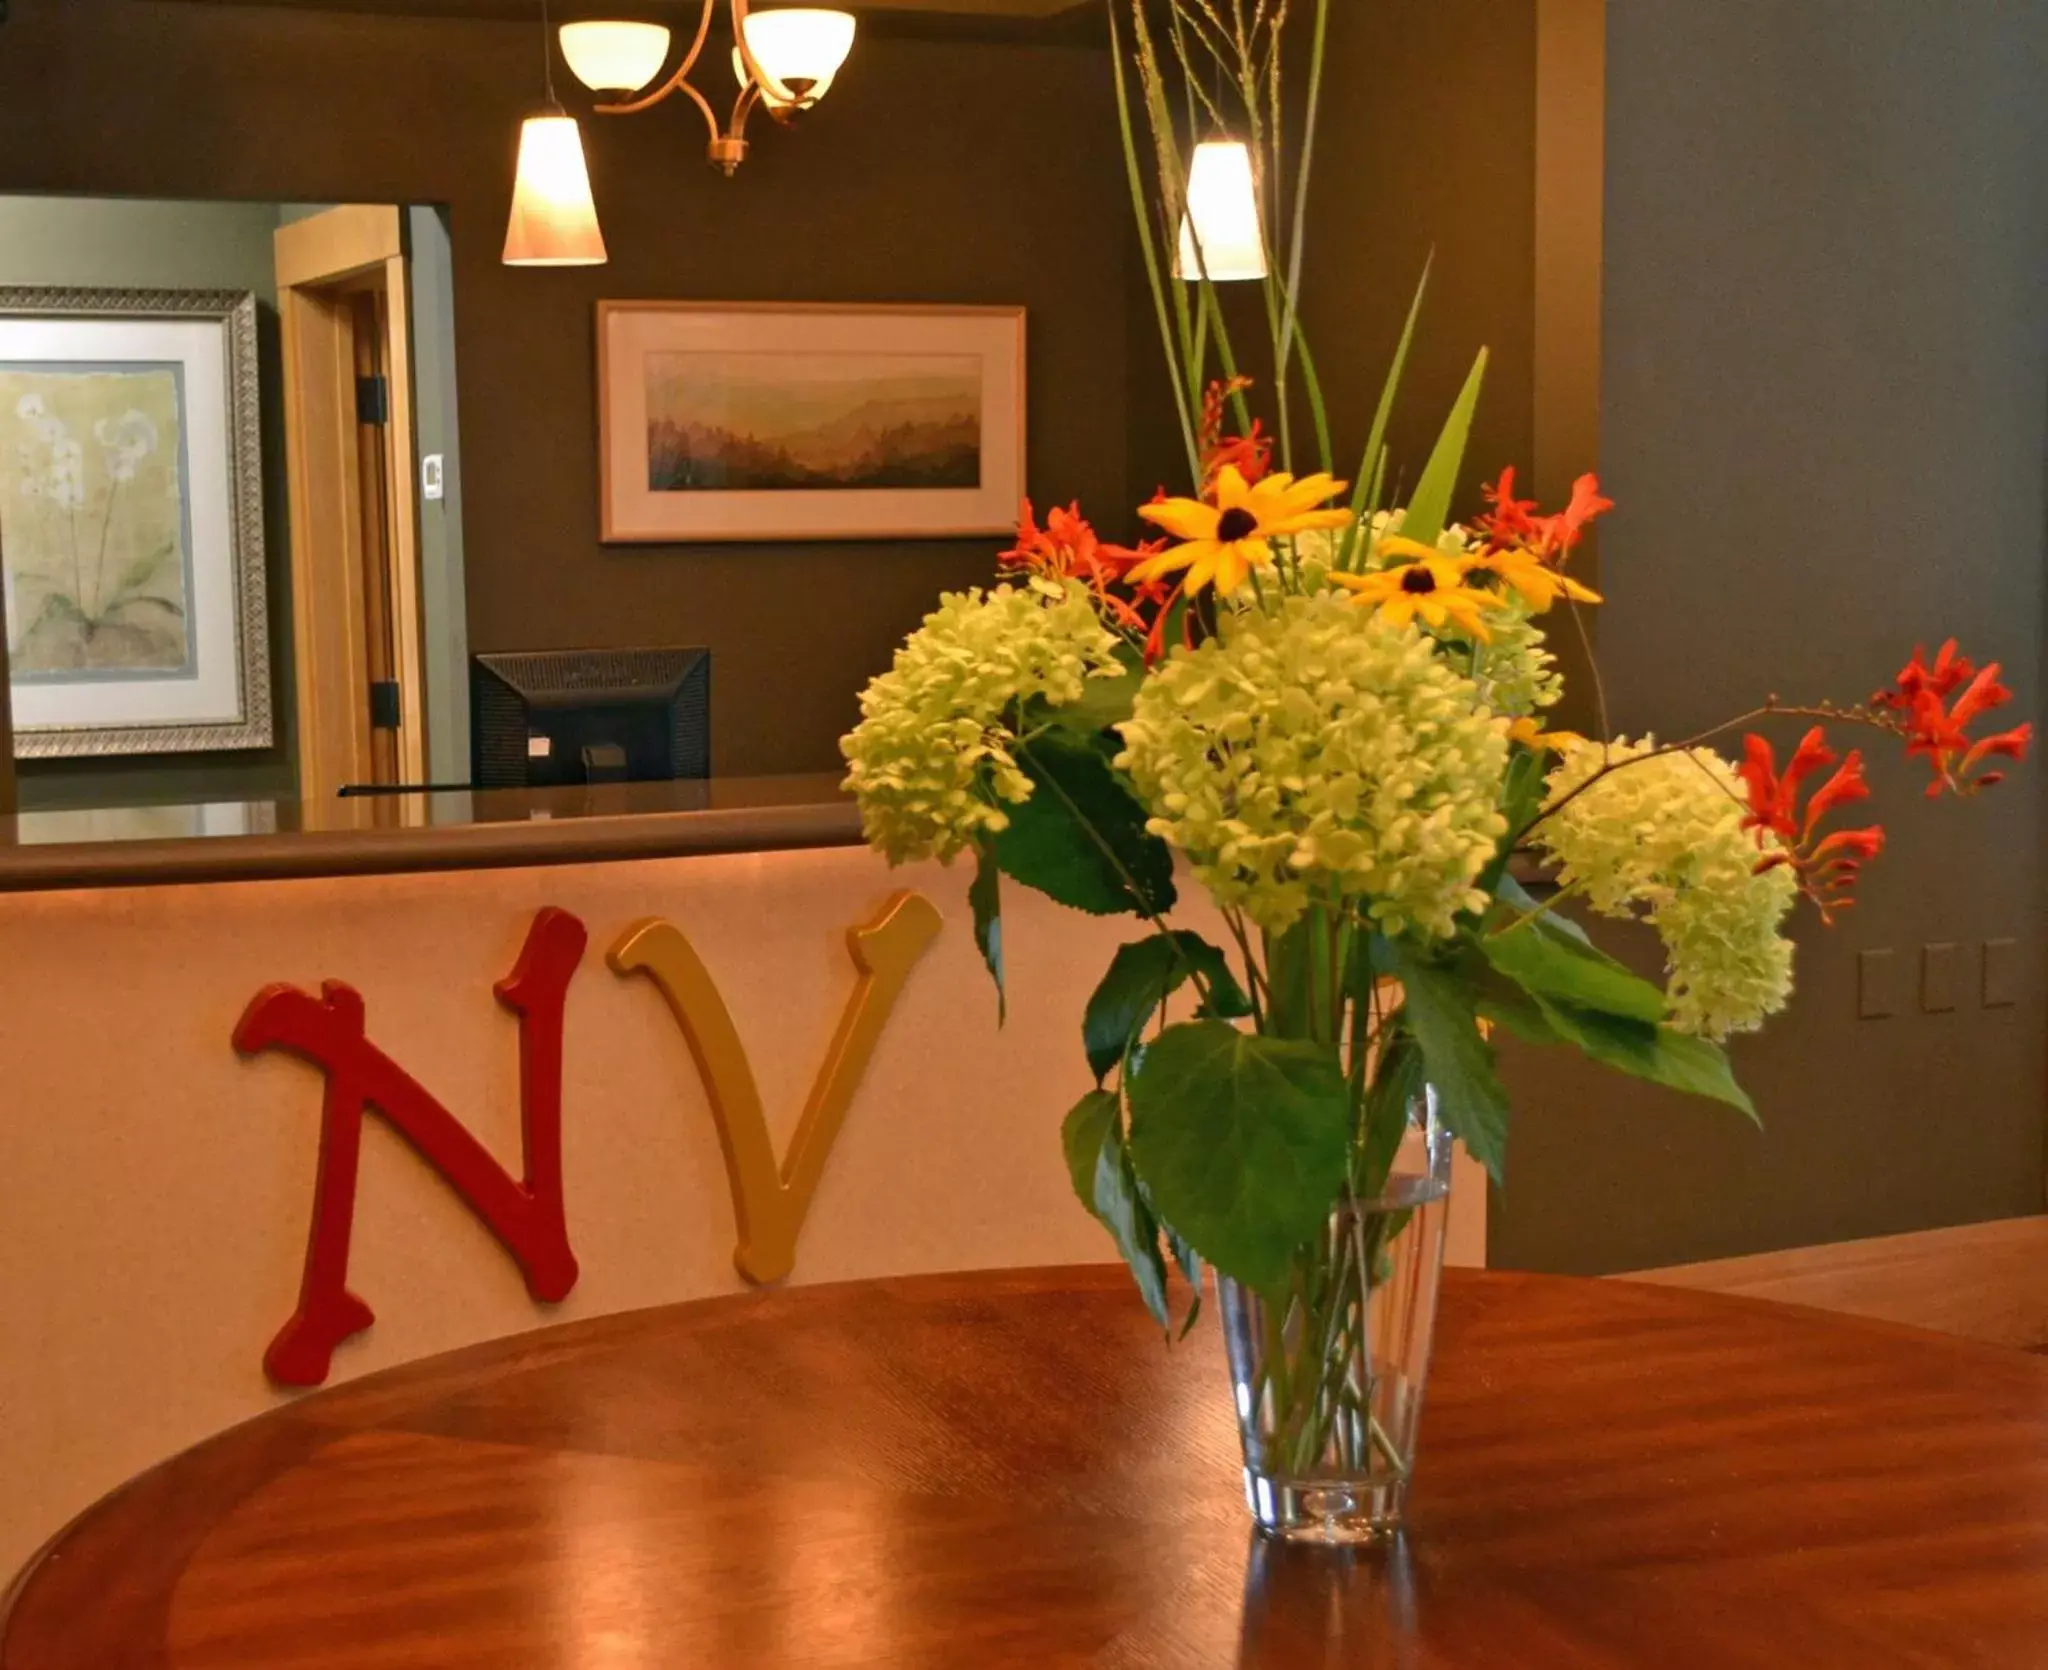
point(1328, 711)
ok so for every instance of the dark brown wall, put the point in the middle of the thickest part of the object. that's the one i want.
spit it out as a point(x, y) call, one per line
point(938, 171)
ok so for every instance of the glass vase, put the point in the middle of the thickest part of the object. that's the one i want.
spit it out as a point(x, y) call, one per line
point(1328, 1373)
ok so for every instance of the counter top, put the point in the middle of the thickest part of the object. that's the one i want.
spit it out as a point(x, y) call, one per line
point(383, 834)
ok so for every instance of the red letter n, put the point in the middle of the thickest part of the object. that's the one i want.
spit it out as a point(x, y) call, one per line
point(525, 1216)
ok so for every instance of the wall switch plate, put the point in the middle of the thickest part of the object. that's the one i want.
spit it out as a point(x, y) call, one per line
point(1877, 988)
point(433, 478)
point(2001, 973)
point(1938, 978)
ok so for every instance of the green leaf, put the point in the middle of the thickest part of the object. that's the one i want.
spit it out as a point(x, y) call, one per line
point(1081, 838)
point(1144, 975)
point(1676, 1060)
point(1429, 506)
point(1443, 1014)
point(137, 573)
point(1512, 892)
point(985, 898)
point(1243, 1142)
point(1100, 1167)
point(1372, 468)
point(1397, 1082)
point(1192, 1268)
point(1105, 702)
point(1561, 969)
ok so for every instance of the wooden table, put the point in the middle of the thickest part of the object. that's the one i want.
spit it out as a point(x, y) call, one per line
point(1013, 1470)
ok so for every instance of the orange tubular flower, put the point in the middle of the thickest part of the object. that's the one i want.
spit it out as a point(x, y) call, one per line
point(1826, 865)
point(1067, 548)
point(1937, 730)
point(1250, 455)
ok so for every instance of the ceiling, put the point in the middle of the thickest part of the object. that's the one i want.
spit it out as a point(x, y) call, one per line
point(967, 10)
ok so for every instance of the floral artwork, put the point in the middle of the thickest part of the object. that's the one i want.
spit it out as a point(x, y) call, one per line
point(131, 522)
point(93, 514)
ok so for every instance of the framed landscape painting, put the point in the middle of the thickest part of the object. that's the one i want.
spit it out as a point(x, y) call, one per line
point(730, 421)
point(131, 522)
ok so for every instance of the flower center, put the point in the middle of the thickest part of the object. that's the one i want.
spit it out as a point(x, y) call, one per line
point(1418, 580)
point(1235, 524)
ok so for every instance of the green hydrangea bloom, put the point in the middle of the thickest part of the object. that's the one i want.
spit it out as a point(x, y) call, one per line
point(1516, 673)
point(932, 761)
point(1664, 838)
point(1314, 752)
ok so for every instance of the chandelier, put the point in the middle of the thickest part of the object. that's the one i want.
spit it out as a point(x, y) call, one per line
point(783, 60)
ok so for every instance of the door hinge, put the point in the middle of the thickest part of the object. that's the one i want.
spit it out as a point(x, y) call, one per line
point(384, 704)
point(373, 400)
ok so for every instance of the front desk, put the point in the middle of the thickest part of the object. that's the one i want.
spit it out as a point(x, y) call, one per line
point(159, 1238)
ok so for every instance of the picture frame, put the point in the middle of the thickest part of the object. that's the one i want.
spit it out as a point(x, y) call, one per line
point(749, 421)
point(131, 522)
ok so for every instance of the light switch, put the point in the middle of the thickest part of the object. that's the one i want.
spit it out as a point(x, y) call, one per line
point(2001, 973)
point(1877, 994)
point(433, 478)
point(1938, 978)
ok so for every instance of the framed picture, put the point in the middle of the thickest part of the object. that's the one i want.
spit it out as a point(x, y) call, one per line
point(734, 421)
point(131, 521)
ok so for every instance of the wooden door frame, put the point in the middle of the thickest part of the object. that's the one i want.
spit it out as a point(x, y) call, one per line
point(322, 263)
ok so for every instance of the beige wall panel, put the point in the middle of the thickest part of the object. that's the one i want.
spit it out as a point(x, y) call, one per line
point(155, 1190)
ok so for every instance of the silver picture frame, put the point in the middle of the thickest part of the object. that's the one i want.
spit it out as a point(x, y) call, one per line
point(244, 720)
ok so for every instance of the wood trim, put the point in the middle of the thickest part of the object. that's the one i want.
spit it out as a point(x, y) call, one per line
point(1985, 1282)
point(403, 544)
point(1571, 141)
point(328, 630)
point(412, 850)
point(608, 533)
point(337, 243)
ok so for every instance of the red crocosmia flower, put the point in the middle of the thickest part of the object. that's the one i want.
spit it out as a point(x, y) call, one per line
point(1569, 526)
point(1514, 522)
point(1938, 731)
point(1949, 672)
point(1826, 866)
point(1511, 521)
point(1251, 454)
point(1067, 548)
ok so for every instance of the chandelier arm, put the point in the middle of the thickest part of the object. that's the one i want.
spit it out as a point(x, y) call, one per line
point(677, 83)
point(756, 76)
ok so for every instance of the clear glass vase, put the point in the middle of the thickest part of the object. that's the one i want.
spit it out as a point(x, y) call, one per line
point(1328, 1374)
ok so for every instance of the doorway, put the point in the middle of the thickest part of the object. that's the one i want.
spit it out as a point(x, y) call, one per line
point(344, 317)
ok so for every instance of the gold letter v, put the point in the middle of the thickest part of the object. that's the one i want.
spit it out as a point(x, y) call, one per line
point(770, 1201)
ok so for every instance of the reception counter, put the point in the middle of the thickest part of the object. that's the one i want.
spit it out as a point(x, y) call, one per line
point(290, 1098)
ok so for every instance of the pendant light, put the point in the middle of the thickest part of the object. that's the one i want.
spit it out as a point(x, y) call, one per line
point(1220, 235)
point(785, 60)
point(554, 218)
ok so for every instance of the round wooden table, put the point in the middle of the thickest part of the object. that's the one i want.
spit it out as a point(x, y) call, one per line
point(1000, 1470)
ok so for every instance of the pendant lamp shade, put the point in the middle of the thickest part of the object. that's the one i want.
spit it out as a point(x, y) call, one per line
point(615, 57)
point(1219, 233)
point(800, 49)
point(554, 219)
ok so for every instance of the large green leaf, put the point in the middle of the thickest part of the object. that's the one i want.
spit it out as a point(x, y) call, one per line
point(1101, 1169)
point(1144, 975)
point(1510, 891)
point(985, 899)
point(1081, 838)
point(1243, 1143)
point(1442, 1013)
point(1429, 506)
point(1561, 969)
point(1104, 702)
point(1676, 1060)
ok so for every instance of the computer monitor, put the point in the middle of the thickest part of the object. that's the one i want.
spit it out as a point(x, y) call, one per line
point(563, 717)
